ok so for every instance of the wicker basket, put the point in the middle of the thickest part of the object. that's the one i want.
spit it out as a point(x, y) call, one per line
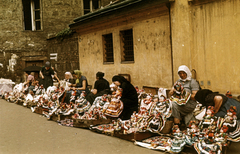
point(167, 128)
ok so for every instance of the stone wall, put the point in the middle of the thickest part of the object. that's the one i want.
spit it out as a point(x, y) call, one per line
point(31, 46)
point(63, 54)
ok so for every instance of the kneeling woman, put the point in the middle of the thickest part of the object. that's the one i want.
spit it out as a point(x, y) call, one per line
point(220, 102)
point(129, 96)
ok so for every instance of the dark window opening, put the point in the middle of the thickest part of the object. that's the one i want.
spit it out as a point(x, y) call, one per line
point(27, 14)
point(32, 14)
point(86, 5)
point(108, 48)
point(126, 37)
point(37, 4)
point(95, 4)
point(90, 5)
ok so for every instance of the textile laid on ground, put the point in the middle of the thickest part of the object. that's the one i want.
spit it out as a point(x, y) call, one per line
point(5, 85)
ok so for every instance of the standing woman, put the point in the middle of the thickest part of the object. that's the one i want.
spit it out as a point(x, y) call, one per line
point(80, 84)
point(129, 96)
point(190, 85)
point(46, 73)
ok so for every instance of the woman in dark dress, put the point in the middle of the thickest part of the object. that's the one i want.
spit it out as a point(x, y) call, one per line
point(46, 73)
point(129, 96)
point(101, 87)
point(220, 102)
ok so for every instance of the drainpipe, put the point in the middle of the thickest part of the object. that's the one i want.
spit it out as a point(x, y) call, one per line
point(170, 27)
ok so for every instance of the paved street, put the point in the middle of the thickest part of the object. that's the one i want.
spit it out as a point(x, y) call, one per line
point(24, 132)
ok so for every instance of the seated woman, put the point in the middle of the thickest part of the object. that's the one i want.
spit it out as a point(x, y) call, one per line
point(80, 84)
point(220, 102)
point(129, 96)
point(101, 87)
point(190, 85)
point(69, 78)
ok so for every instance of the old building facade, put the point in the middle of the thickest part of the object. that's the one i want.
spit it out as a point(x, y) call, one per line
point(150, 39)
point(26, 26)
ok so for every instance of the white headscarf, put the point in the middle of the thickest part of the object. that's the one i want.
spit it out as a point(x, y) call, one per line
point(68, 73)
point(185, 69)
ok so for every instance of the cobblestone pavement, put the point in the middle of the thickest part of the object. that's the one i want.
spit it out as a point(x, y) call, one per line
point(24, 132)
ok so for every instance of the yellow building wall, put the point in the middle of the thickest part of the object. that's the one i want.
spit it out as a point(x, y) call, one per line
point(213, 50)
point(215, 43)
point(152, 53)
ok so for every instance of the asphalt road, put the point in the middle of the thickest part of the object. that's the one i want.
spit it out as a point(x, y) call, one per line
point(24, 132)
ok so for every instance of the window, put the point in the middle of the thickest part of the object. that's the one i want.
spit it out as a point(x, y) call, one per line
point(108, 48)
point(91, 5)
point(32, 15)
point(126, 38)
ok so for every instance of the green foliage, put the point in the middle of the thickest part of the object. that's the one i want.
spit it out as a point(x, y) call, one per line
point(64, 33)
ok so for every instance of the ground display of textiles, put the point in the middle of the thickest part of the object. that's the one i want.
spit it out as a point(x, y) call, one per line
point(149, 127)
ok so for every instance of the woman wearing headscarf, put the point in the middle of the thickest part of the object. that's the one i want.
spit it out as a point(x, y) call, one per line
point(191, 86)
point(220, 102)
point(129, 96)
point(101, 86)
point(80, 84)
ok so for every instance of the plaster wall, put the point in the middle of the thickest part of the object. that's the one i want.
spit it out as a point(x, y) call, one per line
point(152, 53)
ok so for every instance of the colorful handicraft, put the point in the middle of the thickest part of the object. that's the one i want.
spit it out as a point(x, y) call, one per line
point(148, 119)
point(180, 96)
point(192, 133)
point(97, 110)
point(178, 141)
point(115, 107)
point(161, 105)
point(208, 119)
point(210, 136)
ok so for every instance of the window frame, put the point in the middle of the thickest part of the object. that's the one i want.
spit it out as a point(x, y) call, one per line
point(105, 51)
point(122, 49)
point(91, 6)
point(33, 13)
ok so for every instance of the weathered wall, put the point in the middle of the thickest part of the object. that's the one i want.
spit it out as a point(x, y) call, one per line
point(32, 45)
point(67, 56)
point(215, 44)
point(206, 38)
point(152, 52)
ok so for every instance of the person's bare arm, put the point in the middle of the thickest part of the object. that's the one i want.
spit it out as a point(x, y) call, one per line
point(27, 82)
point(83, 85)
point(193, 95)
point(218, 103)
point(171, 92)
point(56, 77)
point(94, 91)
point(41, 74)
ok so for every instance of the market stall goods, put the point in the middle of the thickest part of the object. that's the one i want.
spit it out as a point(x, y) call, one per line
point(180, 96)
